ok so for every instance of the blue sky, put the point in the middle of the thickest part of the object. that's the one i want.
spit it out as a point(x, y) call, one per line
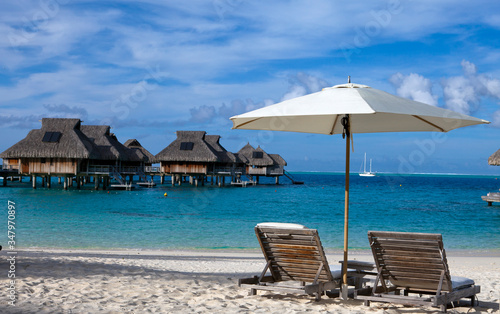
point(149, 68)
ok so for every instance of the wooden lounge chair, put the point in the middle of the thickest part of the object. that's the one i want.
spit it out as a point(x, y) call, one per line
point(415, 263)
point(295, 260)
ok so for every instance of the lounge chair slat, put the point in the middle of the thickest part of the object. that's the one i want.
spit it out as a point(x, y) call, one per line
point(410, 249)
point(303, 279)
point(300, 272)
point(274, 232)
point(420, 259)
point(295, 255)
point(406, 235)
point(411, 270)
point(416, 263)
point(299, 261)
point(292, 255)
point(290, 243)
point(291, 250)
point(394, 249)
point(294, 248)
point(412, 264)
point(291, 246)
point(297, 270)
point(297, 251)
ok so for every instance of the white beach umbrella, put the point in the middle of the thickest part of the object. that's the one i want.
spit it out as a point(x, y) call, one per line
point(347, 109)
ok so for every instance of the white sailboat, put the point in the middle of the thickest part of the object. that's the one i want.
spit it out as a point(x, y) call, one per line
point(367, 174)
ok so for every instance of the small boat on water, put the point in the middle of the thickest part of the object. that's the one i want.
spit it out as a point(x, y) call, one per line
point(365, 173)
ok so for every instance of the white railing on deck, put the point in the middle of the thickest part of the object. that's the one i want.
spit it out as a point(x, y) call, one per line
point(259, 171)
point(231, 170)
point(100, 169)
point(127, 169)
point(276, 170)
point(223, 170)
point(149, 169)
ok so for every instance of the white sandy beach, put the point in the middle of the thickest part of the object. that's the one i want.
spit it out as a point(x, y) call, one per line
point(89, 281)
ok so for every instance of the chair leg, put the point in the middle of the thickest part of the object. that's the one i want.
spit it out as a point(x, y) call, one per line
point(317, 296)
point(442, 308)
point(473, 301)
point(253, 291)
point(367, 303)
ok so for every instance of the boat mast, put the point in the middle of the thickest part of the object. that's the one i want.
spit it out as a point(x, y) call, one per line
point(365, 164)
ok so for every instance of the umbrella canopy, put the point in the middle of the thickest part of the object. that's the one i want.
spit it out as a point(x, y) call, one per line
point(352, 108)
point(370, 111)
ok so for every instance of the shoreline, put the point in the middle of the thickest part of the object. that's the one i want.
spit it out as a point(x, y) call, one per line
point(200, 281)
point(232, 251)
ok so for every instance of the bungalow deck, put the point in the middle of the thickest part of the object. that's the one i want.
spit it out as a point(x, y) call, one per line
point(127, 187)
point(491, 198)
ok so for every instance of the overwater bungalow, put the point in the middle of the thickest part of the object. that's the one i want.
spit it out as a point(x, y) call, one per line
point(149, 169)
point(115, 159)
point(58, 149)
point(134, 144)
point(259, 163)
point(228, 163)
point(493, 197)
point(65, 148)
point(196, 155)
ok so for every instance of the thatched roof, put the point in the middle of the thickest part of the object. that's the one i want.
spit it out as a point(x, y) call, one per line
point(134, 144)
point(108, 145)
point(278, 160)
point(241, 158)
point(494, 159)
point(256, 156)
point(189, 146)
point(58, 138)
point(222, 153)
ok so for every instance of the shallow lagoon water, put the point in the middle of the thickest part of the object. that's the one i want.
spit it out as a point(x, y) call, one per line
point(209, 217)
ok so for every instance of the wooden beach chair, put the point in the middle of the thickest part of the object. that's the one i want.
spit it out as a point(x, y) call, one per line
point(415, 263)
point(296, 262)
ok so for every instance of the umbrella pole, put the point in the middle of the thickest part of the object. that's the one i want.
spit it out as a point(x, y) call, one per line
point(346, 209)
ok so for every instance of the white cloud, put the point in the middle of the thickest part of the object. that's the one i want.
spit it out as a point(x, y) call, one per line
point(469, 68)
point(88, 55)
point(415, 87)
point(302, 84)
point(493, 20)
point(294, 92)
point(491, 85)
point(464, 93)
point(299, 85)
point(460, 95)
point(202, 114)
point(496, 119)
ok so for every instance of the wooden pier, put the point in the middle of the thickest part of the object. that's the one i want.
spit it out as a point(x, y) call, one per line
point(8, 173)
point(243, 183)
point(127, 187)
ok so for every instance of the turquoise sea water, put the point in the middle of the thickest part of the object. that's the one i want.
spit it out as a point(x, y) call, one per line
point(210, 217)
